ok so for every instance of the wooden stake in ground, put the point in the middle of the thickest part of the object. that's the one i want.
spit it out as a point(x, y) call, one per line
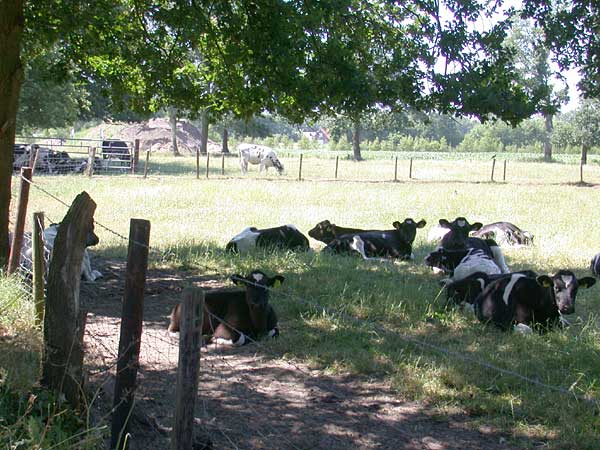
point(39, 266)
point(64, 321)
point(190, 337)
point(131, 331)
point(17, 242)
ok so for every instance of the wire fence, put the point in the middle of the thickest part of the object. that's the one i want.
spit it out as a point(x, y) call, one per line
point(266, 386)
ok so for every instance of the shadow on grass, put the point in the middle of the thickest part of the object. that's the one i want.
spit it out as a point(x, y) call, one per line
point(344, 315)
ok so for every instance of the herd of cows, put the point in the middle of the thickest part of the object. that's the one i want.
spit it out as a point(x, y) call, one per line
point(476, 276)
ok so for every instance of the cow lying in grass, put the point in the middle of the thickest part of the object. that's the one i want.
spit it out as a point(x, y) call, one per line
point(284, 237)
point(526, 302)
point(49, 236)
point(504, 233)
point(325, 231)
point(234, 317)
point(396, 243)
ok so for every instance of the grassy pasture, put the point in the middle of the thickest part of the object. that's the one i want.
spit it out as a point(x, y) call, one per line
point(193, 219)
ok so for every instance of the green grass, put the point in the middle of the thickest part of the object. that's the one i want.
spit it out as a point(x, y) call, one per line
point(395, 304)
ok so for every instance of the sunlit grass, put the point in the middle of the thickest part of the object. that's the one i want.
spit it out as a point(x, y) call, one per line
point(375, 308)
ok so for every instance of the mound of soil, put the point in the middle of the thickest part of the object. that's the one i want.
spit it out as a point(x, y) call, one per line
point(155, 135)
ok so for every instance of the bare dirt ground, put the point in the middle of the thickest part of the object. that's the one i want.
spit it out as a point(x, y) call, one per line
point(249, 398)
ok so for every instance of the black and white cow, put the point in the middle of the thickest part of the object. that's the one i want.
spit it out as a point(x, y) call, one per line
point(49, 236)
point(48, 160)
point(464, 292)
point(285, 237)
point(115, 149)
point(232, 316)
point(396, 243)
point(504, 233)
point(525, 302)
point(262, 155)
point(457, 238)
point(595, 265)
point(325, 231)
point(461, 263)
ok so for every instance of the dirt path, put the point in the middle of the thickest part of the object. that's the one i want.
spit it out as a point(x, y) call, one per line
point(249, 399)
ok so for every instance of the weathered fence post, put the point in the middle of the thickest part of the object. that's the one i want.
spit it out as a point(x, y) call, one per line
point(197, 163)
point(300, 169)
point(207, 162)
point(91, 159)
point(504, 172)
point(493, 168)
point(410, 169)
point(136, 156)
point(17, 242)
point(337, 160)
point(131, 331)
point(223, 164)
point(147, 163)
point(64, 319)
point(396, 169)
point(33, 162)
point(39, 266)
point(190, 336)
point(581, 172)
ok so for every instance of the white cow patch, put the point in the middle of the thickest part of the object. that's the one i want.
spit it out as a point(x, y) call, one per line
point(257, 276)
point(567, 279)
point(358, 245)
point(475, 261)
point(241, 341)
point(510, 286)
point(499, 259)
point(522, 328)
point(461, 223)
point(246, 240)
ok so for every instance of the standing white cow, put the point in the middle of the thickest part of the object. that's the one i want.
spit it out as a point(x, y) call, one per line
point(258, 154)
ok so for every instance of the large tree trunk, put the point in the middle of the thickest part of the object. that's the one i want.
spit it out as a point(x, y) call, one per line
point(356, 140)
point(584, 153)
point(173, 122)
point(225, 141)
point(204, 132)
point(548, 137)
point(11, 77)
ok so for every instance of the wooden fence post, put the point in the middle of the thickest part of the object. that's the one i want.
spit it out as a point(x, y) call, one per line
point(396, 169)
point(131, 331)
point(190, 336)
point(493, 168)
point(136, 156)
point(39, 266)
point(64, 320)
point(17, 242)
point(91, 159)
point(147, 163)
point(207, 162)
point(581, 172)
point(197, 163)
point(300, 169)
point(337, 160)
point(36, 154)
point(410, 169)
point(223, 164)
point(504, 172)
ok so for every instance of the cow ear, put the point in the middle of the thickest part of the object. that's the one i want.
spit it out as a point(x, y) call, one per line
point(276, 281)
point(238, 279)
point(421, 223)
point(396, 225)
point(586, 282)
point(326, 223)
point(476, 226)
point(545, 281)
point(444, 223)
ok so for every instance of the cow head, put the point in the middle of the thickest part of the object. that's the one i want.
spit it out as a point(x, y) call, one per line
point(323, 231)
point(458, 232)
point(563, 287)
point(277, 164)
point(257, 284)
point(408, 229)
point(446, 260)
point(91, 238)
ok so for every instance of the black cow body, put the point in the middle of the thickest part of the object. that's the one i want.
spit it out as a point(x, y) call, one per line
point(504, 233)
point(530, 302)
point(458, 238)
point(231, 316)
point(595, 265)
point(326, 231)
point(396, 243)
point(286, 237)
point(115, 149)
